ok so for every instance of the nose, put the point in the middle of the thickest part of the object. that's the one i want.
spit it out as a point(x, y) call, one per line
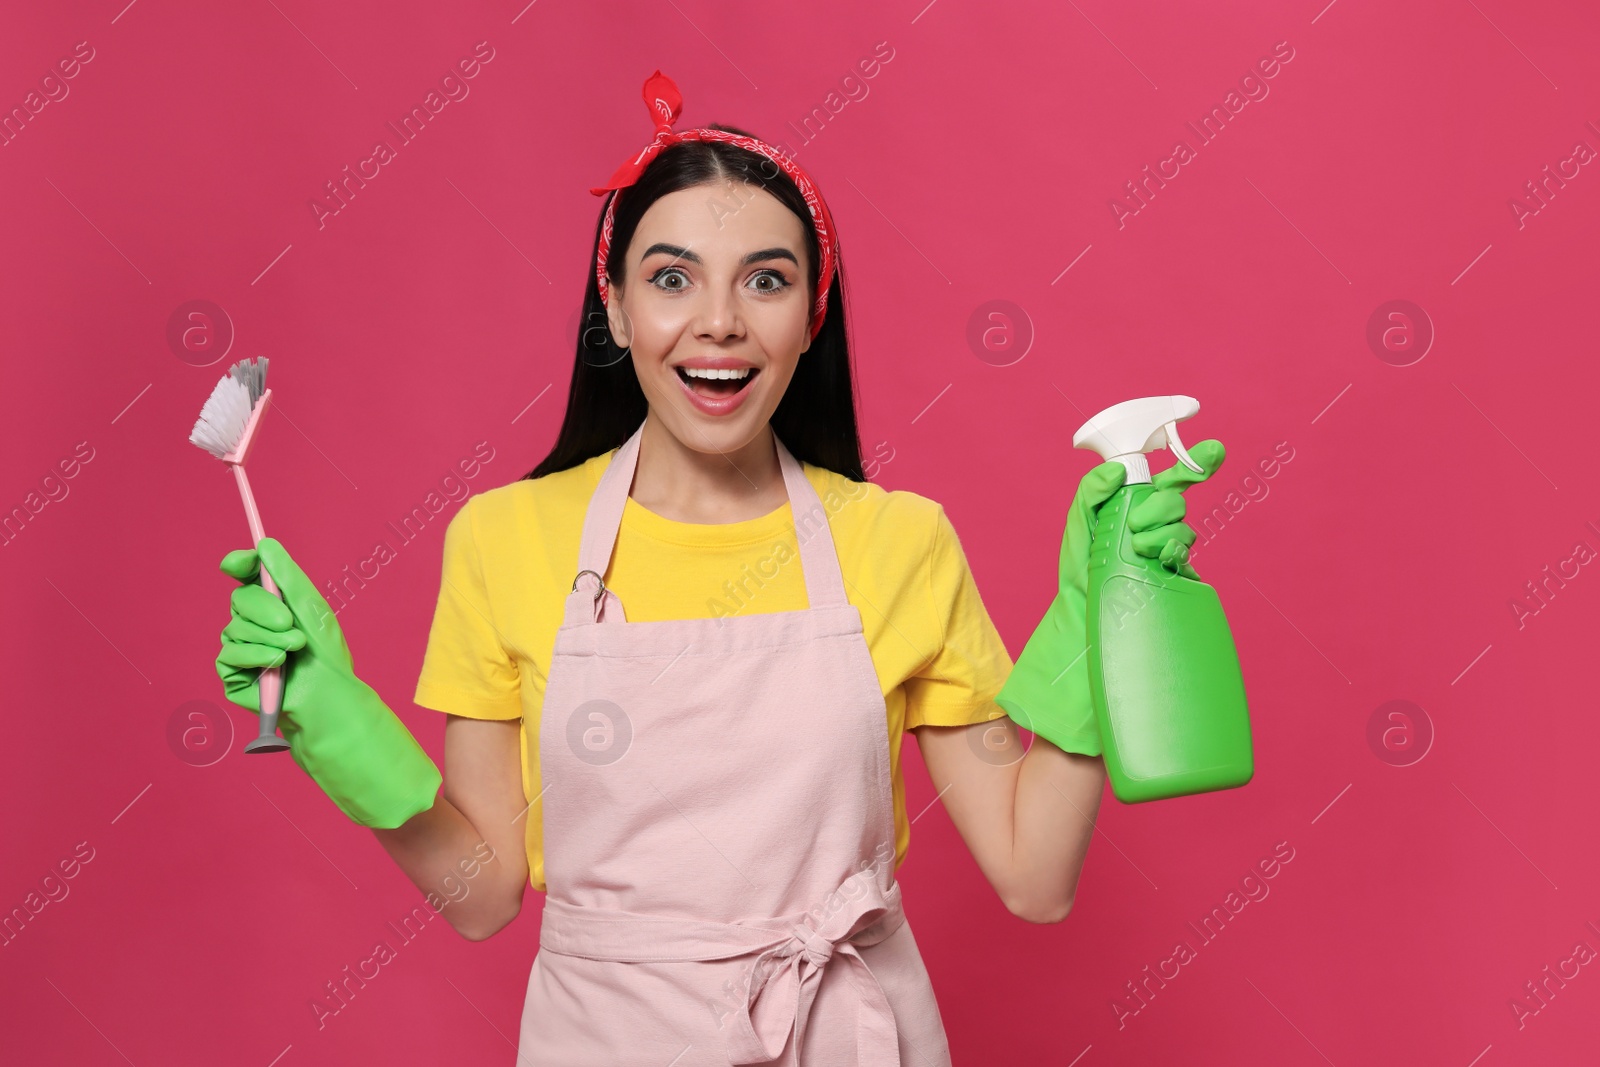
point(718, 315)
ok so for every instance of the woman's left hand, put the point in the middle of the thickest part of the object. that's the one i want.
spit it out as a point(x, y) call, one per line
point(1047, 691)
point(1156, 522)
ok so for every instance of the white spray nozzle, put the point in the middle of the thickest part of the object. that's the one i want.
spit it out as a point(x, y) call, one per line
point(1128, 430)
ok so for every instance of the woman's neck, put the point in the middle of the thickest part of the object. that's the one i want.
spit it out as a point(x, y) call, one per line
point(709, 488)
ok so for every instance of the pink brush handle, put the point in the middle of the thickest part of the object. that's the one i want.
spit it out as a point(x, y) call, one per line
point(270, 681)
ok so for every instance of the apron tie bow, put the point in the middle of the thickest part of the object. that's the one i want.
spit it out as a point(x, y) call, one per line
point(816, 948)
point(772, 997)
point(777, 999)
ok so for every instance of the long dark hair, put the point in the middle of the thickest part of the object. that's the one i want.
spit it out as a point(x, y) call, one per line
point(816, 419)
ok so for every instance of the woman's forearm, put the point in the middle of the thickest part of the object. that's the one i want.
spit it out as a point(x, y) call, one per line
point(475, 881)
point(1026, 817)
point(1057, 801)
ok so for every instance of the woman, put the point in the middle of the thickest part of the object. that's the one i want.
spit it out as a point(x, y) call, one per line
point(679, 657)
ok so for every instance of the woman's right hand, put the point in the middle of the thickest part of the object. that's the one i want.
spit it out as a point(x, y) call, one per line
point(265, 629)
point(338, 729)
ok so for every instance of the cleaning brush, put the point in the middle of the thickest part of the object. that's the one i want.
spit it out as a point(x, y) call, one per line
point(227, 428)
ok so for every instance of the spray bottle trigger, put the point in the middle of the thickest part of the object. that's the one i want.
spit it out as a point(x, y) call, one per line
point(1178, 450)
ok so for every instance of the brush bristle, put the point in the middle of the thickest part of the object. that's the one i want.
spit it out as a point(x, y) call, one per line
point(227, 409)
point(253, 374)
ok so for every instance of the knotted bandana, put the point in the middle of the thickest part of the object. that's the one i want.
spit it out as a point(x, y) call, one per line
point(665, 102)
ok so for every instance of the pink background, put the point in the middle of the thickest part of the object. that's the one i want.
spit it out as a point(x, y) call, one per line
point(1380, 563)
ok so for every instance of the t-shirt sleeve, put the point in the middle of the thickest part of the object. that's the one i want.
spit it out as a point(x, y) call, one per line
point(958, 684)
point(466, 669)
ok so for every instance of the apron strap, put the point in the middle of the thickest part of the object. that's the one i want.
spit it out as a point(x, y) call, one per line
point(590, 601)
point(819, 558)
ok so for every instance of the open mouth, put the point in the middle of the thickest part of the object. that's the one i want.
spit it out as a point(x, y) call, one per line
point(717, 384)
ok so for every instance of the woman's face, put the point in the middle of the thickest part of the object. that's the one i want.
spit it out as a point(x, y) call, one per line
point(716, 281)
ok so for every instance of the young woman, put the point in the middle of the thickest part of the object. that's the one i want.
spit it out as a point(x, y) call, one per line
point(680, 656)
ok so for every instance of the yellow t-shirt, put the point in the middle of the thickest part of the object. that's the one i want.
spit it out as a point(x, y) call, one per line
point(510, 555)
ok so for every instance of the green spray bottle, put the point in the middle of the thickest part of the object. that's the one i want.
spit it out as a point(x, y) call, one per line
point(1163, 672)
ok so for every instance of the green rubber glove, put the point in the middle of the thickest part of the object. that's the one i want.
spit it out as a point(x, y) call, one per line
point(338, 730)
point(1047, 691)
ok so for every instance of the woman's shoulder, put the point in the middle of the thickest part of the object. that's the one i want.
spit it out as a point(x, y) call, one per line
point(541, 507)
point(575, 483)
point(881, 516)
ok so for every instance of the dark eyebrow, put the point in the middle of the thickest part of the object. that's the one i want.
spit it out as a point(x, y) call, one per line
point(683, 253)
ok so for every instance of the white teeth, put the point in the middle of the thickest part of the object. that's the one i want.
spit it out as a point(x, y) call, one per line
point(696, 372)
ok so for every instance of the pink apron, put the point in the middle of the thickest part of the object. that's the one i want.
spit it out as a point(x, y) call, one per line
point(719, 832)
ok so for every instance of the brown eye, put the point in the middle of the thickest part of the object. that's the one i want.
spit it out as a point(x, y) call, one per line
point(655, 279)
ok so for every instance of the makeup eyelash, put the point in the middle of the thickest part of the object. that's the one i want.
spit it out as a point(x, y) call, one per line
point(784, 283)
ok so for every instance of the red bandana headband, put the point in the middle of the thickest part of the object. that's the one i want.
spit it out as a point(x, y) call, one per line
point(665, 102)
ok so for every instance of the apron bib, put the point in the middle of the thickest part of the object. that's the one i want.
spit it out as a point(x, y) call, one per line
point(719, 831)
